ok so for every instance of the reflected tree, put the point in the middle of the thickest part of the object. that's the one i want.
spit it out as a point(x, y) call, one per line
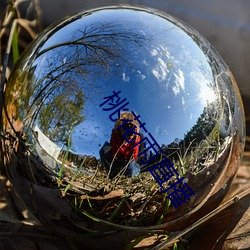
point(203, 127)
point(68, 68)
point(199, 145)
point(92, 51)
point(57, 117)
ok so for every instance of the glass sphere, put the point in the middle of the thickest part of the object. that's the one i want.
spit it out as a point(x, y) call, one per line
point(121, 119)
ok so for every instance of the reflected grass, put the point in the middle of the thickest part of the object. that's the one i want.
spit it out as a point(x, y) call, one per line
point(197, 157)
point(130, 201)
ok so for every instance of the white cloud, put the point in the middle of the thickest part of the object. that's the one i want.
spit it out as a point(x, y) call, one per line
point(183, 100)
point(161, 70)
point(142, 76)
point(179, 82)
point(206, 93)
point(154, 52)
point(125, 78)
point(159, 131)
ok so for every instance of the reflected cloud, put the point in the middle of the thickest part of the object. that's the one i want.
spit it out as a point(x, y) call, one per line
point(179, 82)
point(182, 100)
point(207, 94)
point(145, 62)
point(125, 78)
point(161, 70)
point(154, 52)
point(160, 131)
point(142, 76)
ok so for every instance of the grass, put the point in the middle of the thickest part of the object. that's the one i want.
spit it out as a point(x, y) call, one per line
point(136, 201)
point(126, 201)
point(195, 158)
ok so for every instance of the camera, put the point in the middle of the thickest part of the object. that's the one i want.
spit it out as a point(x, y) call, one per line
point(129, 126)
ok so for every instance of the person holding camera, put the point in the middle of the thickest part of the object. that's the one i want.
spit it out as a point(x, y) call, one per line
point(120, 156)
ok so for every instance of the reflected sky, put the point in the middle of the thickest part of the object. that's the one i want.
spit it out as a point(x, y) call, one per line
point(160, 69)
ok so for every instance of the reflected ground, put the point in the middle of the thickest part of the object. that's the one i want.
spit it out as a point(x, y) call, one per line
point(167, 73)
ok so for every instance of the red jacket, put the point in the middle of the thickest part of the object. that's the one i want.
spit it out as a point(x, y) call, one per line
point(126, 151)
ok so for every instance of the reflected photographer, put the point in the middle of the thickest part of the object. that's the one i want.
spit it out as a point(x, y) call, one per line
point(120, 156)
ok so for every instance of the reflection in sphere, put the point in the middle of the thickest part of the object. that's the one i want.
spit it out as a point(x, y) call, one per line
point(98, 101)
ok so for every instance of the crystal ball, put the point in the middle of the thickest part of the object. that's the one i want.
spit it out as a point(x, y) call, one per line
point(118, 120)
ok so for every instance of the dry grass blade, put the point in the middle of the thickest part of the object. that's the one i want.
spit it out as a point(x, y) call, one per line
point(13, 17)
point(28, 25)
